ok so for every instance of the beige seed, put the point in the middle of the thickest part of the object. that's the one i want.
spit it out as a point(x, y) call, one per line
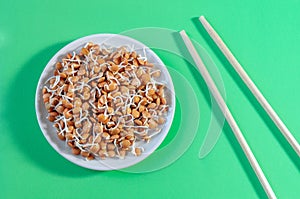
point(161, 92)
point(62, 124)
point(60, 109)
point(70, 129)
point(122, 154)
point(102, 99)
point(112, 86)
point(103, 145)
point(144, 101)
point(111, 154)
point(138, 122)
point(47, 105)
point(70, 123)
point(44, 90)
point(98, 128)
point(85, 136)
point(52, 81)
point(81, 72)
point(114, 137)
point(58, 65)
point(131, 87)
point(95, 148)
point(124, 89)
point(114, 68)
point(63, 75)
point(85, 106)
point(86, 95)
point(135, 113)
point(115, 131)
point(110, 110)
point(146, 114)
point(141, 61)
point(102, 84)
point(152, 124)
point(101, 118)
point(66, 104)
point(110, 146)
point(147, 139)
point(77, 102)
point(102, 79)
point(154, 96)
point(145, 78)
point(76, 110)
point(84, 51)
point(125, 143)
point(156, 74)
point(135, 62)
point(46, 95)
point(102, 153)
point(92, 120)
point(78, 124)
point(54, 114)
point(149, 64)
point(105, 135)
point(144, 119)
point(141, 108)
point(106, 121)
point(69, 136)
point(71, 144)
point(90, 139)
point(60, 136)
point(151, 106)
point(100, 61)
point(133, 54)
point(97, 69)
point(84, 153)
point(75, 65)
point(136, 99)
point(114, 118)
point(110, 124)
point(76, 151)
point(161, 120)
point(139, 72)
point(149, 98)
point(151, 91)
point(163, 100)
point(74, 79)
point(90, 157)
point(128, 110)
point(51, 118)
point(98, 139)
point(138, 151)
point(115, 94)
point(158, 101)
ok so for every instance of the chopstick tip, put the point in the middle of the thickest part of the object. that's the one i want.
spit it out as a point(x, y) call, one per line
point(202, 18)
point(182, 32)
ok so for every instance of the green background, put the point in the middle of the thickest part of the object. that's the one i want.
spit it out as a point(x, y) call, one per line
point(264, 35)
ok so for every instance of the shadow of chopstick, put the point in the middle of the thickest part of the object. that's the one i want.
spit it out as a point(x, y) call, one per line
point(265, 117)
point(227, 130)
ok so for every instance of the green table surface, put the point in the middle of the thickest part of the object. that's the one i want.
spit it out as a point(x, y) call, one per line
point(264, 36)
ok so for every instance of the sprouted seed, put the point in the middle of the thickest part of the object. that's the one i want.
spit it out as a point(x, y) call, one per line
point(105, 102)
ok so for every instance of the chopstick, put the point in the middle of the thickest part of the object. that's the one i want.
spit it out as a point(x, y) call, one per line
point(255, 91)
point(231, 121)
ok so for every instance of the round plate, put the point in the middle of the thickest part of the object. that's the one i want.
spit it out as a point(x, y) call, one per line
point(110, 163)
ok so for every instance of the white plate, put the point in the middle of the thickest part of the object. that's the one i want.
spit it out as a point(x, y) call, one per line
point(50, 132)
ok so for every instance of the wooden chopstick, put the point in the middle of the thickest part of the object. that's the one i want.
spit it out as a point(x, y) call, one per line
point(231, 121)
point(259, 96)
